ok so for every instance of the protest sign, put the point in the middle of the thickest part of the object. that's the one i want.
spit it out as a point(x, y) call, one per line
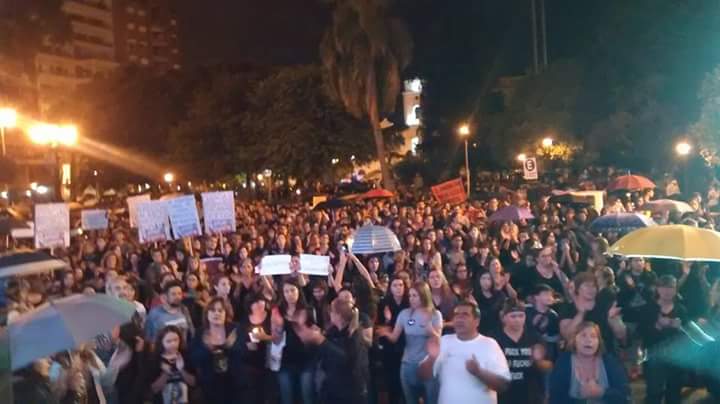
point(314, 264)
point(152, 220)
point(132, 202)
point(219, 212)
point(452, 192)
point(530, 169)
point(275, 265)
point(184, 216)
point(94, 219)
point(52, 225)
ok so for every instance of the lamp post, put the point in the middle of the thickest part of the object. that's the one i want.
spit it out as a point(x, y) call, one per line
point(464, 132)
point(54, 136)
point(683, 149)
point(8, 119)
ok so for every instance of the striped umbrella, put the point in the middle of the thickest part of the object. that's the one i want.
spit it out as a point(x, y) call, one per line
point(374, 239)
point(26, 262)
point(69, 322)
point(667, 205)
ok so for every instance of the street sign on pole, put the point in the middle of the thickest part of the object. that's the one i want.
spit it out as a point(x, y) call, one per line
point(530, 169)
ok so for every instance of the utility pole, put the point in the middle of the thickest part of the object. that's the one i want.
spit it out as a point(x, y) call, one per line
point(543, 29)
point(533, 36)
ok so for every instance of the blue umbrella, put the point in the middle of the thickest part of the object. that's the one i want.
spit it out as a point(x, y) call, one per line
point(374, 239)
point(64, 324)
point(620, 223)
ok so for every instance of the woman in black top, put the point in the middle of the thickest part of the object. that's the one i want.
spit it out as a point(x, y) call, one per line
point(214, 352)
point(489, 301)
point(171, 377)
point(297, 363)
point(255, 326)
point(393, 303)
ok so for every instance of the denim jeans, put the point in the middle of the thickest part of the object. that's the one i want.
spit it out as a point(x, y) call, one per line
point(414, 388)
point(290, 380)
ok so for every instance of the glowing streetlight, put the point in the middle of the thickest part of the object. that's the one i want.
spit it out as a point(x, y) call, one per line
point(521, 157)
point(169, 177)
point(335, 161)
point(464, 132)
point(49, 134)
point(683, 148)
point(547, 142)
point(8, 119)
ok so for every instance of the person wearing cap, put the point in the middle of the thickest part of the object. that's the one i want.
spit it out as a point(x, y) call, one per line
point(661, 321)
point(585, 307)
point(525, 354)
point(470, 367)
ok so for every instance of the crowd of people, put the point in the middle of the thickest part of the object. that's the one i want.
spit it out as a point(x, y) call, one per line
point(468, 311)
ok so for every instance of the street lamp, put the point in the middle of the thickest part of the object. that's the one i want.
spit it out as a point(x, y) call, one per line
point(547, 142)
point(54, 136)
point(683, 148)
point(8, 119)
point(521, 157)
point(169, 177)
point(464, 132)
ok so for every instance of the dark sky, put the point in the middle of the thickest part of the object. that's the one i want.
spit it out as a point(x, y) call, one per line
point(266, 31)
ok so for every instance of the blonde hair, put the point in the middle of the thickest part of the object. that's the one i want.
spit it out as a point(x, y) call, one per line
point(423, 291)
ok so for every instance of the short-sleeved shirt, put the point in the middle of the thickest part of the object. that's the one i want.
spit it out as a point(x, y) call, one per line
point(526, 386)
point(414, 325)
point(457, 385)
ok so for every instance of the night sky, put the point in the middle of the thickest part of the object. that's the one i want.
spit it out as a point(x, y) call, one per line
point(270, 31)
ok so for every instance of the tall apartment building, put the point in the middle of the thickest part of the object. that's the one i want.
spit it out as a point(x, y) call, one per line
point(146, 33)
point(90, 52)
point(105, 35)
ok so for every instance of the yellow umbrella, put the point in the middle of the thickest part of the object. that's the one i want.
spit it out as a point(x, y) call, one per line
point(679, 242)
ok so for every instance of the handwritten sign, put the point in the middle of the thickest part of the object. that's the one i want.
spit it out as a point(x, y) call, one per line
point(184, 216)
point(152, 220)
point(132, 202)
point(52, 225)
point(318, 265)
point(219, 212)
point(94, 219)
point(452, 192)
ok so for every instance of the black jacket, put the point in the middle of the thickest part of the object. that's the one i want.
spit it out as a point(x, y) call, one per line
point(344, 360)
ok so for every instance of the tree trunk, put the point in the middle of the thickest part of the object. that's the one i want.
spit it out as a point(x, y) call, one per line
point(374, 115)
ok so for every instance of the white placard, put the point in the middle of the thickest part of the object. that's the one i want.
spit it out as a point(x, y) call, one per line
point(219, 212)
point(52, 225)
point(94, 219)
point(275, 265)
point(132, 202)
point(184, 216)
point(530, 169)
point(153, 223)
point(314, 264)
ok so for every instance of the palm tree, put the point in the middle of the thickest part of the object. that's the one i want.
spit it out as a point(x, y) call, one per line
point(363, 52)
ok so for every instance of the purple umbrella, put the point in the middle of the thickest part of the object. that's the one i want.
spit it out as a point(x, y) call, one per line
point(511, 214)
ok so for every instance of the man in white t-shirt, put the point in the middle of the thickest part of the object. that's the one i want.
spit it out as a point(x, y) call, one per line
point(471, 368)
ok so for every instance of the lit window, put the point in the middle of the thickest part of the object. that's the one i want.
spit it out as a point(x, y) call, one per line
point(176, 67)
point(142, 28)
point(141, 12)
point(173, 22)
point(131, 26)
point(144, 61)
point(175, 51)
point(133, 57)
point(131, 10)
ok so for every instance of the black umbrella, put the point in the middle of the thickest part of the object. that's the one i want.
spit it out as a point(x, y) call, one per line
point(331, 204)
point(27, 263)
point(570, 199)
